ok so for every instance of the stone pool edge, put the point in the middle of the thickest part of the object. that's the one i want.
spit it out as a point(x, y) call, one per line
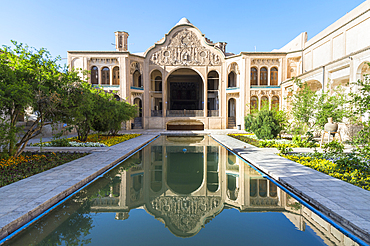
point(340, 215)
point(17, 223)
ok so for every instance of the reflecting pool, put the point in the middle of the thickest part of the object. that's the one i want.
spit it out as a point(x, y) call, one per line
point(181, 191)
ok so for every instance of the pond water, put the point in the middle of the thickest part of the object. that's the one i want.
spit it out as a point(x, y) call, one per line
point(181, 191)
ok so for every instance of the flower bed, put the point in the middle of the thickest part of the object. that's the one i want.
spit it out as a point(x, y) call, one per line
point(271, 143)
point(28, 164)
point(347, 167)
point(93, 140)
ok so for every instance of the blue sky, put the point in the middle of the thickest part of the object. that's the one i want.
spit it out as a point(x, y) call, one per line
point(60, 26)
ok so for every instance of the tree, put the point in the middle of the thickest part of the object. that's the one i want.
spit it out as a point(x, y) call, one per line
point(30, 78)
point(312, 110)
point(331, 104)
point(93, 109)
point(360, 99)
point(303, 103)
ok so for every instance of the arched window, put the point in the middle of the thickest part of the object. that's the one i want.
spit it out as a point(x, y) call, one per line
point(213, 80)
point(274, 76)
point(272, 189)
point(231, 79)
point(264, 103)
point(105, 76)
point(263, 76)
point(262, 187)
point(275, 103)
point(94, 75)
point(115, 76)
point(254, 104)
point(137, 79)
point(254, 76)
point(158, 83)
point(212, 90)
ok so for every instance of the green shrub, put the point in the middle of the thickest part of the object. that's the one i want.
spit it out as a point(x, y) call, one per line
point(284, 148)
point(248, 120)
point(334, 147)
point(265, 125)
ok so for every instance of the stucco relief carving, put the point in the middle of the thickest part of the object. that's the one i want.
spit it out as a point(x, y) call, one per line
point(234, 95)
point(270, 93)
point(136, 195)
point(185, 49)
point(136, 66)
point(265, 62)
point(107, 61)
point(185, 213)
point(137, 95)
point(233, 67)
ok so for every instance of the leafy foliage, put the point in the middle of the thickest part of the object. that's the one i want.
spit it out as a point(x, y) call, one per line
point(311, 109)
point(361, 101)
point(303, 104)
point(284, 148)
point(265, 125)
point(94, 109)
point(334, 147)
point(30, 78)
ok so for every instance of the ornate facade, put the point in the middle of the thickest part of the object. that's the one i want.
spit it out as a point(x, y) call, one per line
point(186, 81)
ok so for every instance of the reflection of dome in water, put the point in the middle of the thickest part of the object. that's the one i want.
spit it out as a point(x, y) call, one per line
point(185, 215)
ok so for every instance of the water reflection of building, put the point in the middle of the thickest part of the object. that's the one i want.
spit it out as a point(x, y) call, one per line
point(185, 182)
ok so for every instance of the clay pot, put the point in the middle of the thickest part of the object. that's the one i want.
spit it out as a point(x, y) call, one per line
point(330, 126)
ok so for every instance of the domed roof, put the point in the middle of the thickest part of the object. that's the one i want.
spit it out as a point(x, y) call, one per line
point(183, 21)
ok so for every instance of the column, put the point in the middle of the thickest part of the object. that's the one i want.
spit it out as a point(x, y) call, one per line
point(205, 97)
point(99, 75)
point(164, 93)
point(111, 76)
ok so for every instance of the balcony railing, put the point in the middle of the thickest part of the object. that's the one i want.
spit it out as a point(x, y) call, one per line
point(156, 113)
point(232, 88)
point(212, 113)
point(185, 113)
point(137, 88)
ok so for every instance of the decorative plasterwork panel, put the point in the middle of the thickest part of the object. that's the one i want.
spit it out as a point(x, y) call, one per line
point(136, 66)
point(265, 62)
point(185, 49)
point(234, 95)
point(186, 213)
point(270, 93)
point(105, 61)
point(137, 95)
point(233, 67)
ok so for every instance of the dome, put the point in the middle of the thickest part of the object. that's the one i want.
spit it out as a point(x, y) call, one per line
point(183, 21)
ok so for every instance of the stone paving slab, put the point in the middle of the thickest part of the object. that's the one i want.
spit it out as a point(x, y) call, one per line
point(24, 200)
point(346, 204)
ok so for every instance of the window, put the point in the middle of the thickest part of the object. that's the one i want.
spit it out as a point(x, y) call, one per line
point(158, 83)
point(94, 75)
point(105, 76)
point(115, 76)
point(137, 79)
point(254, 104)
point(254, 76)
point(263, 77)
point(274, 76)
point(264, 103)
point(275, 103)
point(232, 79)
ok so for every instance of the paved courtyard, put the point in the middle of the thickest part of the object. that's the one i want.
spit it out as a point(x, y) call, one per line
point(22, 201)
